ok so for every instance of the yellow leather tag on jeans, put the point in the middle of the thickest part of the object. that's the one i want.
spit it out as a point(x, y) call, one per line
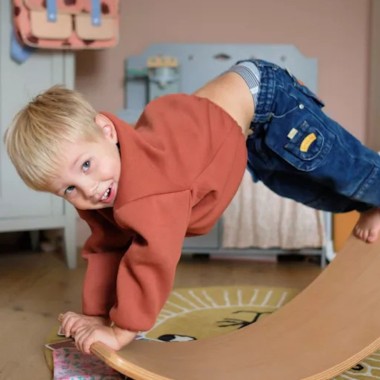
point(292, 133)
point(307, 141)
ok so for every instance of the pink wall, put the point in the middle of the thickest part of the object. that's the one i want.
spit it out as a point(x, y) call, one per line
point(336, 32)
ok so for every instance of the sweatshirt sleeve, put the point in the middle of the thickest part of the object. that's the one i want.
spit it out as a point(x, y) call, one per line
point(146, 273)
point(103, 251)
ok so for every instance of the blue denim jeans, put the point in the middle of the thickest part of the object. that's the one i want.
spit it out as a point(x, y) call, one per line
point(300, 153)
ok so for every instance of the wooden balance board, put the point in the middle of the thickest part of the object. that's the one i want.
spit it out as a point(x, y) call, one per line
point(329, 327)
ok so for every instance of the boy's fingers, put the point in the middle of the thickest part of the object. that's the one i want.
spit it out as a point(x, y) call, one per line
point(63, 316)
point(67, 323)
point(79, 323)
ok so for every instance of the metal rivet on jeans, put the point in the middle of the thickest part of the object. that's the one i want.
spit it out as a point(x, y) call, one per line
point(301, 106)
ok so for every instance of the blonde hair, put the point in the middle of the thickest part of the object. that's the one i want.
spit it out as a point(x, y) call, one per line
point(34, 139)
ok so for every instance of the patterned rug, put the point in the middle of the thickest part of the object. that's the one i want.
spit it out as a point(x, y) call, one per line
point(196, 313)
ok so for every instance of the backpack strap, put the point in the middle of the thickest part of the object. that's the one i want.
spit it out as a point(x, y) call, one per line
point(51, 7)
point(95, 12)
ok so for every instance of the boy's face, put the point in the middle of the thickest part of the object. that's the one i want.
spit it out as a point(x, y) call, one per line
point(89, 174)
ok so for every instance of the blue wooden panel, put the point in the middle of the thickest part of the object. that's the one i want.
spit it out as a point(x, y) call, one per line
point(201, 62)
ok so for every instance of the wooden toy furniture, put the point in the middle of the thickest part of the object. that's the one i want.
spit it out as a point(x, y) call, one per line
point(329, 327)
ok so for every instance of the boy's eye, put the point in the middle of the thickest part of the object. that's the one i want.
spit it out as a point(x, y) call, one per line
point(86, 165)
point(69, 190)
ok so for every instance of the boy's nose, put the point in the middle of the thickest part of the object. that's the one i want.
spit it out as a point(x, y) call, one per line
point(91, 189)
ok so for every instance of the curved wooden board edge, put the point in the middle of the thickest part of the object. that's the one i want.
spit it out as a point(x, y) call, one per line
point(346, 364)
point(120, 364)
point(315, 336)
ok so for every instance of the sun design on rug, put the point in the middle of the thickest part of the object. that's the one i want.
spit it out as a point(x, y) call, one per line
point(198, 313)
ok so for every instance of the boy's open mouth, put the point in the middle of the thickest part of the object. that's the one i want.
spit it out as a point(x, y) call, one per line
point(106, 195)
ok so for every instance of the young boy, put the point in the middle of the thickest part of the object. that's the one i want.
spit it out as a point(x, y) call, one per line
point(143, 189)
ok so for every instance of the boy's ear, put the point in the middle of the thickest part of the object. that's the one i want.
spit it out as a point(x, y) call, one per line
point(107, 127)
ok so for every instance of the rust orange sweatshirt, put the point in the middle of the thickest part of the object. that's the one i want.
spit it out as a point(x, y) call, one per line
point(180, 167)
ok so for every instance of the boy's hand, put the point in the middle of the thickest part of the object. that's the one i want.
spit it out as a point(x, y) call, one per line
point(87, 330)
point(71, 322)
point(114, 337)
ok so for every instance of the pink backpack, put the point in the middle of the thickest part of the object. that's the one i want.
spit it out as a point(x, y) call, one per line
point(67, 24)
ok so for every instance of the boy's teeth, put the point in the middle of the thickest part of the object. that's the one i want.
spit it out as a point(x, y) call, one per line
point(106, 194)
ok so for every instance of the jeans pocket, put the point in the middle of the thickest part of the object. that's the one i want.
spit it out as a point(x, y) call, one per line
point(304, 145)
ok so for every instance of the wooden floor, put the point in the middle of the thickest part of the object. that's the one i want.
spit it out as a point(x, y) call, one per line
point(36, 287)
